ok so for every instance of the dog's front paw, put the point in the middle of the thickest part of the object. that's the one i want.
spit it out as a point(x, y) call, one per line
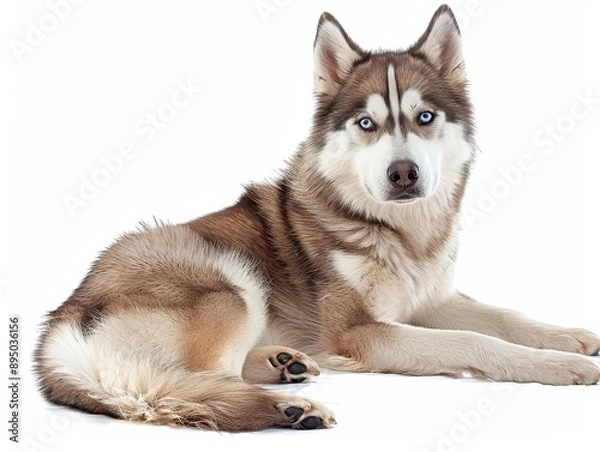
point(573, 340)
point(560, 369)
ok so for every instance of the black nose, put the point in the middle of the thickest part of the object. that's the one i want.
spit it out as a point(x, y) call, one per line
point(403, 173)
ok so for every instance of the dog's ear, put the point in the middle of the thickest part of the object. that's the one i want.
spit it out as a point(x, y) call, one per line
point(334, 53)
point(441, 45)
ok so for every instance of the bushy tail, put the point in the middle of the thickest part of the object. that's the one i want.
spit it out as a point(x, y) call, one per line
point(94, 376)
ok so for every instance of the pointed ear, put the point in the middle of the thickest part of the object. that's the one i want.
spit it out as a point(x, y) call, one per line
point(335, 54)
point(441, 45)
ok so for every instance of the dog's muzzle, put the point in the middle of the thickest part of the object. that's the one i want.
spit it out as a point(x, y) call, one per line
point(403, 176)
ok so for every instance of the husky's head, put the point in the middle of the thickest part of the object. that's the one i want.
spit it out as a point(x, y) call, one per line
point(391, 126)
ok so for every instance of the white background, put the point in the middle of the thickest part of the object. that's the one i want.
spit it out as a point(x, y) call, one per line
point(77, 94)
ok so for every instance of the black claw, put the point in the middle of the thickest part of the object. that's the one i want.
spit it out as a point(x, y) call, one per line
point(298, 379)
point(282, 377)
point(311, 422)
point(284, 357)
point(294, 413)
point(297, 368)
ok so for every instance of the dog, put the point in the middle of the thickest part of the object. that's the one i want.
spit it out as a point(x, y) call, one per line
point(345, 262)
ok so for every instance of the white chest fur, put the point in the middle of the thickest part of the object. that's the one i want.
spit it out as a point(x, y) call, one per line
point(394, 283)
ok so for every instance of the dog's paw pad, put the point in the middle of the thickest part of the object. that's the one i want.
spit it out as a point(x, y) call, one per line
point(294, 413)
point(311, 422)
point(294, 368)
point(305, 415)
point(297, 368)
point(284, 357)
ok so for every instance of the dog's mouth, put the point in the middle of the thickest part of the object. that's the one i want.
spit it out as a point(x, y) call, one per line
point(404, 197)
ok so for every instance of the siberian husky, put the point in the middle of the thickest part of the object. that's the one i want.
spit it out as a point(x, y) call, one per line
point(345, 262)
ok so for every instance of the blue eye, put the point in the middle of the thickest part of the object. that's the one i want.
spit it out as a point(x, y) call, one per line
point(426, 118)
point(366, 124)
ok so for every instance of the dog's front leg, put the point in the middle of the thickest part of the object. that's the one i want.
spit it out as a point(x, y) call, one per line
point(460, 312)
point(406, 349)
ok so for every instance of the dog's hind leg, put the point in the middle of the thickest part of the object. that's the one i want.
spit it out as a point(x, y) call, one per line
point(277, 364)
